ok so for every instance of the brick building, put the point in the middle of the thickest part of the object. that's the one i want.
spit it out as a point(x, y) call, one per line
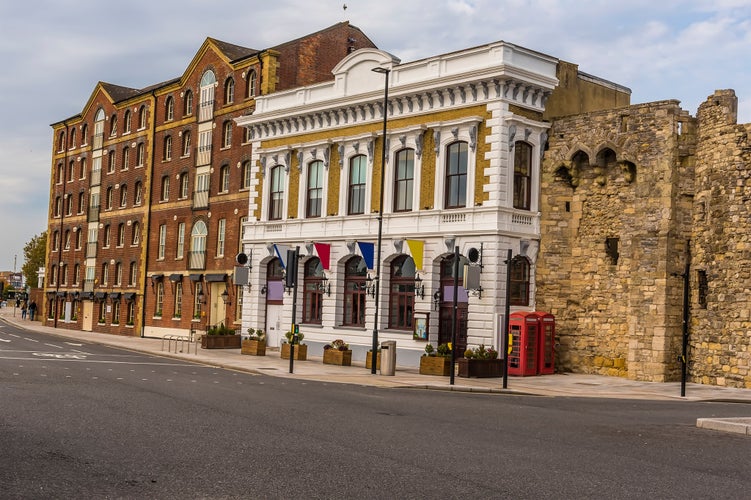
point(149, 188)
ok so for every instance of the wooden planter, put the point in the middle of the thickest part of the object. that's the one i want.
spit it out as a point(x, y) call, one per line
point(479, 368)
point(435, 365)
point(220, 341)
point(337, 357)
point(369, 363)
point(301, 351)
point(254, 347)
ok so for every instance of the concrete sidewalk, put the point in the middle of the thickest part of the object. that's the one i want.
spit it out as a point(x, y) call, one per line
point(561, 385)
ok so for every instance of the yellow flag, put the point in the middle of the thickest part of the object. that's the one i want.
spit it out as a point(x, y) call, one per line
point(416, 249)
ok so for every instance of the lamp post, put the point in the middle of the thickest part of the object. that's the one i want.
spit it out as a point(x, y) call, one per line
point(374, 352)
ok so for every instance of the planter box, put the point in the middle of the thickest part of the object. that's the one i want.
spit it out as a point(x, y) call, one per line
point(337, 357)
point(254, 347)
point(220, 341)
point(301, 351)
point(369, 364)
point(479, 368)
point(435, 365)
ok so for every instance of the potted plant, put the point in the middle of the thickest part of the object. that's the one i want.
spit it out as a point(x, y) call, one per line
point(436, 361)
point(337, 353)
point(301, 350)
point(220, 337)
point(369, 359)
point(255, 344)
point(480, 362)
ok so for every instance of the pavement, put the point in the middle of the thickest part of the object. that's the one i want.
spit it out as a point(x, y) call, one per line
point(556, 385)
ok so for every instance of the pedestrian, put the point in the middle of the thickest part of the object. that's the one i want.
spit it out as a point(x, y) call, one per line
point(23, 310)
point(32, 309)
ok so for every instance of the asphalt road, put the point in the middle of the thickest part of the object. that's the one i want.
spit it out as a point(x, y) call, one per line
point(87, 421)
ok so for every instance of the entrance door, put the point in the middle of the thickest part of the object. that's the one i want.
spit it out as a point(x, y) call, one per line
point(274, 327)
point(444, 326)
point(88, 315)
point(218, 311)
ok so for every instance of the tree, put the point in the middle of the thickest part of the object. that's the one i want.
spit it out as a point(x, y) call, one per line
point(34, 253)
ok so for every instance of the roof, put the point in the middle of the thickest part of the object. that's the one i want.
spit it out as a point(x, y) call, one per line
point(232, 51)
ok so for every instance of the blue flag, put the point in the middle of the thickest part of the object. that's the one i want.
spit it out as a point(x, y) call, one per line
point(367, 250)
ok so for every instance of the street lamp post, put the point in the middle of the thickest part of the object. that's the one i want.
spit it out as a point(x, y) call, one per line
point(374, 352)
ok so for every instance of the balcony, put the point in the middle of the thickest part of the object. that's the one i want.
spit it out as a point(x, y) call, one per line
point(200, 200)
point(197, 259)
point(88, 285)
point(91, 249)
point(98, 141)
point(206, 111)
point(93, 214)
point(203, 156)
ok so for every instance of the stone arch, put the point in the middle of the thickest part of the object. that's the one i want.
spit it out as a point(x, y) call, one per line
point(628, 169)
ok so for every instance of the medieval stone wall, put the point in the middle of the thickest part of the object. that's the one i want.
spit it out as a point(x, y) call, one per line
point(616, 199)
point(720, 333)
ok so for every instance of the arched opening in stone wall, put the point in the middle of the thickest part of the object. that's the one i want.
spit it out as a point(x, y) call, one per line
point(628, 170)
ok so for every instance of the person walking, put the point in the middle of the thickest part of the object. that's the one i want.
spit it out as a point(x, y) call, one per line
point(32, 309)
point(23, 310)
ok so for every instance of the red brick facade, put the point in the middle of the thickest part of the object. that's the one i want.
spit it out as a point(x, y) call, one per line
point(136, 268)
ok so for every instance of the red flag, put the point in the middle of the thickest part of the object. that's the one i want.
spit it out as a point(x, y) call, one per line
point(324, 253)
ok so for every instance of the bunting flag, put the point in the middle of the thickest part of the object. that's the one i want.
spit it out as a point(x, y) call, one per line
point(416, 248)
point(367, 250)
point(324, 253)
point(281, 252)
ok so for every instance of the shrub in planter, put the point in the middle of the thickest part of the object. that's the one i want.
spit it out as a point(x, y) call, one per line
point(436, 361)
point(337, 353)
point(301, 350)
point(255, 345)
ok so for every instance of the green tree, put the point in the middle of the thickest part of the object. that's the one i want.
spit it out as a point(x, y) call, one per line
point(34, 253)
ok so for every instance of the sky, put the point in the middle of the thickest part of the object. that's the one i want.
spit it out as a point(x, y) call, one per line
point(53, 53)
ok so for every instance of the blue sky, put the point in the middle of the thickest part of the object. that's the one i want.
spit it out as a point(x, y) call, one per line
point(55, 51)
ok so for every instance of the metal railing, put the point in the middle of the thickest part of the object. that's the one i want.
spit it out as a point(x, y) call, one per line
point(197, 259)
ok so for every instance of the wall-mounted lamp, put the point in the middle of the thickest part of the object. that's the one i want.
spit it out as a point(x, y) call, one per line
point(201, 297)
point(225, 297)
point(324, 286)
point(437, 296)
point(419, 287)
point(264, 289)
point(371, 285)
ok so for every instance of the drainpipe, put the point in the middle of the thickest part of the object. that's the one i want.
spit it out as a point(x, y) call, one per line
point(147, 229)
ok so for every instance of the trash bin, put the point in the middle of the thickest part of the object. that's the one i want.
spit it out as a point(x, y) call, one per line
point(388, 357)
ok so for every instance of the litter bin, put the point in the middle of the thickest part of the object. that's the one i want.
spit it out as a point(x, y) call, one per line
point(388, 357)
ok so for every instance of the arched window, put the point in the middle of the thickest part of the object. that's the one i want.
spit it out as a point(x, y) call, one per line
point(136, 236)
point(56, 241)
point(113, 126)
point(98, 128)
point(84, 134)
point(404, 177)
point(108, 199)
point(165, 188)
point(274, 282)
point(82, 169)
point(519, 289)
point(138, 196)
point(358, 170)
point(198, 245)
point(402, 293)
point(126, 158)
point(183, 186)
point(59, 176)
point(355, 272)
point(79, 239)
point(186, 143)
point(314, 193)
point(106, 237)
point(206, 103)
point(67, 240)
point(169, 109)
point(188, 103)
point(123, 196)
point(276, 193)
point(105, 273)
point(140, 155)
point(456, 175)
point(142, 117)
point(121, 235)
point(224, 179)
point(71, 169)
point(246, 175)
point(61, 141)
point(227, 134)
point(81, 202)
point(251, 88)
point(111, 161)
point(313, 294)
point(229, 91)
point(522, 175)
point(127, 121)
point(72, 138)
point(118, 274)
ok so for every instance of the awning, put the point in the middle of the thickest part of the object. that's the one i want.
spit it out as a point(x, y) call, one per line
point(114, 295)
point(156, 277)
point(175, 277)
point(100, 295)
point(129, 297)
point(61, 294)
point(214, 278)
point(86, 295)
point(195, 277)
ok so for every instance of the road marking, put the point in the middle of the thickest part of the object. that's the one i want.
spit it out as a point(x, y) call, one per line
point(30, 340)
point(59, 355)
point(55, 346)
point(74, 344)
point(14, 335)
point(4, 340)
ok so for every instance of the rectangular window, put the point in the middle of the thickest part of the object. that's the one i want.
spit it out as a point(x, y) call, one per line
point(180, 241)
point(220, 230)
point(178, 300)
point(357, 175)
point(522, 175)
point(456, 175)
point(315, 189)
point(403, 180)
point(162, 240)
point(276, 193)
point(159, 299)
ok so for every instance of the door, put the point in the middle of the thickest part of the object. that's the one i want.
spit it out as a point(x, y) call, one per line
point(274, 327)
point(444, 326)
point(88, 315)
point(218, 310)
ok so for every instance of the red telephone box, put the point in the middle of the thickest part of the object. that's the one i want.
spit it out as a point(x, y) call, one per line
point(533, 341)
